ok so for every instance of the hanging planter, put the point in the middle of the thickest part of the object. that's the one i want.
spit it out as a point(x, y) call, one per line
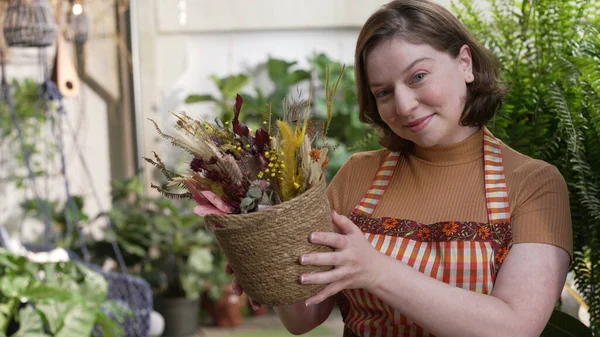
point(29, 23)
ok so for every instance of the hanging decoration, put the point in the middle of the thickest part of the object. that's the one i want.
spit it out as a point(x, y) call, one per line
point(64, 73)
point(29, 23)
point(79, 22)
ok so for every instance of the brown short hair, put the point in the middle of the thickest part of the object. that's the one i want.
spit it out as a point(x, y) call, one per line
point(421, 21)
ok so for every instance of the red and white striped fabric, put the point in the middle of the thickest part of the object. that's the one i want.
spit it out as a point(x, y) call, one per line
point(464, 254)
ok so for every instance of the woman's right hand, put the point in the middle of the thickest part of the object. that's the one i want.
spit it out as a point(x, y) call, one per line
point(237, 288)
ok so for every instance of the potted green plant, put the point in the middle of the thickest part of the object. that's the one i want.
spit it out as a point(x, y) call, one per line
point(163, 242)
point(132, 226)
point(180, 269)
point(55, 299)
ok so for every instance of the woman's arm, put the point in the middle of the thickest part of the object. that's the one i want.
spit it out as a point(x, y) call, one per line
point(524, 295)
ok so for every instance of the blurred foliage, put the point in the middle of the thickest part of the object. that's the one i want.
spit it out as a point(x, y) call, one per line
point(31, 118)
point(550, 54)
point(55, 299)
point(66, 220)
point(162, 241)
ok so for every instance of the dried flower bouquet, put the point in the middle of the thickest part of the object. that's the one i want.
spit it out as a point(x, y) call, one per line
point(262, 193)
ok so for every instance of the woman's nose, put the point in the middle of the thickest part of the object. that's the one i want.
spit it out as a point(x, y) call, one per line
point(406, 103)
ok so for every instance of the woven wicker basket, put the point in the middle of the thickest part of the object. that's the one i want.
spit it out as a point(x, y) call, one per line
point(29, 23)
point(264, 247)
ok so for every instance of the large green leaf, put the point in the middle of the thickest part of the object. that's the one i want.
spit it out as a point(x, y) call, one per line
point(95, 288)
point(44, 292)
point(79, 321)
point(14, 285)
point(278, 70)
point(233, 85)
point(30, 324)
point(296, 77)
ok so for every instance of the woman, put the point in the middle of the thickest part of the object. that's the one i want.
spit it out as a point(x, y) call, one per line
point(448, 231)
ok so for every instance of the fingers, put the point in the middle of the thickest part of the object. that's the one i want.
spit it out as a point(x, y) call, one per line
point(326, 277)
point(255, 305)
point(345, 225)
point(321, 259)
point(333, 240)
point(237, 288)
point(228, 268)
point(329, 291)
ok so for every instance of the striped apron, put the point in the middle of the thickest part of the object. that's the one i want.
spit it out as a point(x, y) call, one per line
point(464, 254)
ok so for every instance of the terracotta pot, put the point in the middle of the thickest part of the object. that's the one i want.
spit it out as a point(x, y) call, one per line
point(227, 311)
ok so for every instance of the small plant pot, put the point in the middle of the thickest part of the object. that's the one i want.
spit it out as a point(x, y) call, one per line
point(227, 310)
point(180, 314)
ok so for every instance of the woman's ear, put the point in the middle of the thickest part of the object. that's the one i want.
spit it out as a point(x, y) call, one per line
point(466, 63)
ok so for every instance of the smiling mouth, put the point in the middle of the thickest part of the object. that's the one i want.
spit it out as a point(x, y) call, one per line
point(418, 122)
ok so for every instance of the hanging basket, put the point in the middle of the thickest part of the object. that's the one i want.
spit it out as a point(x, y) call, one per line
point(264, 247)
point(29, 23)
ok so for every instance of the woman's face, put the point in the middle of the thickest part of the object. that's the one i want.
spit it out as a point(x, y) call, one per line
point(420, 92)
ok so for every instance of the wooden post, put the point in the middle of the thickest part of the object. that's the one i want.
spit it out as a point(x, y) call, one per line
point(121, 122)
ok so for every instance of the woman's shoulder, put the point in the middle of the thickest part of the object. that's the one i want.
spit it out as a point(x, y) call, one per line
point(521, 167)
point(368, 158)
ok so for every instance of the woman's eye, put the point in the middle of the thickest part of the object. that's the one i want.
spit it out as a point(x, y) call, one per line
point(419, 77)
point(382, 93)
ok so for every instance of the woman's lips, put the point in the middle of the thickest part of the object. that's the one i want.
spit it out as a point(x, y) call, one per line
point(419, 124)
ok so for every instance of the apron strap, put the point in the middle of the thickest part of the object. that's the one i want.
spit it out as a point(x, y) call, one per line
point(496, 191)
point(380, 183)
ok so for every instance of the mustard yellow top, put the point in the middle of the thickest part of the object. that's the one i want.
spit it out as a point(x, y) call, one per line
point(446, 183)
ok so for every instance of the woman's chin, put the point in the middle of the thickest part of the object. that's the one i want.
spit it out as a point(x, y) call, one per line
point(424, 141)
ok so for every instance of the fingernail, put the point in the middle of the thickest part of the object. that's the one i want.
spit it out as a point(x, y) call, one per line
point(311, 237)
point(333, 213)
point(307, 303)
point(255, 307)
point(301, 259)
point(302, 279)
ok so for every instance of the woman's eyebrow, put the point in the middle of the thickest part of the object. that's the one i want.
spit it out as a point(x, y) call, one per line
point(407, 69)
point(413, 63)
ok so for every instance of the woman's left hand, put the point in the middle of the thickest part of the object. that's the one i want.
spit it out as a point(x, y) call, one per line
point(354, 260)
